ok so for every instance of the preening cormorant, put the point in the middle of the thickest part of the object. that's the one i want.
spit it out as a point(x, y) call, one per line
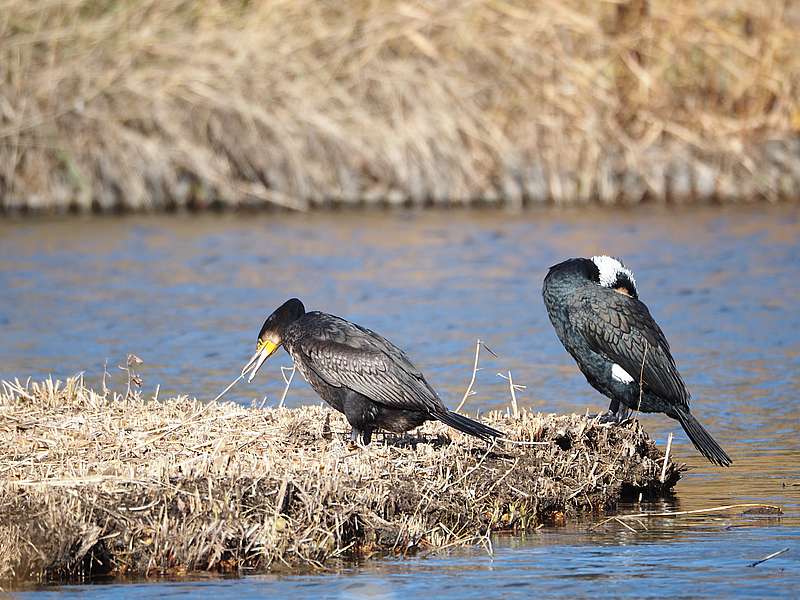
point(595, 309)
point(357, 372)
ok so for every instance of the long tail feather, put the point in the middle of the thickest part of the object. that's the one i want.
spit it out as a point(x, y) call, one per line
point(467, 425)
point(702, 440)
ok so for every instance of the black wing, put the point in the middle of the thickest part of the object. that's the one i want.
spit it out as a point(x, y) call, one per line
point(621, 329)
point(347, 355)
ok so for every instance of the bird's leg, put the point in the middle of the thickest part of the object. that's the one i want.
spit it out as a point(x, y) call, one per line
point(355, 437)
point(360, 438)
point(623, 413)
point(616, 413)
point(387, 437)
point(611, 415)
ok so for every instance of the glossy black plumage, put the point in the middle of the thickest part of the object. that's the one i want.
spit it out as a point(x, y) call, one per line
point(622, 329)
point(618, 345)
point(361, 374)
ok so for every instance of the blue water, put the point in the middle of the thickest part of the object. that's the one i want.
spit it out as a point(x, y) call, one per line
point(188, 295)
point(563, 564)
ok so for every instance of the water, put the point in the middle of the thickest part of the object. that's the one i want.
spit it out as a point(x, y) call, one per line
point(188, 295)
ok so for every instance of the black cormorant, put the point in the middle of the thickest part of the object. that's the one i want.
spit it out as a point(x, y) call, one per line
point(357, 372)
point(595, 309)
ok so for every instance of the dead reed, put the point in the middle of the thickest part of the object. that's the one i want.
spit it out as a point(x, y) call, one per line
point(111, 484)
point(165, 103)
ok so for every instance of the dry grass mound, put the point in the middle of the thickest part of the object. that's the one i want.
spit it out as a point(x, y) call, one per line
point(167, 103)
point(107, 484)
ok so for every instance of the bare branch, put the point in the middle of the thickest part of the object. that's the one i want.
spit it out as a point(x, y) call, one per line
point(475, 370)
point(288, 382)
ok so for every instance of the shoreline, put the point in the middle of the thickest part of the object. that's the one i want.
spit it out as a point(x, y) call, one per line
point(141, 107)
point(647, 204)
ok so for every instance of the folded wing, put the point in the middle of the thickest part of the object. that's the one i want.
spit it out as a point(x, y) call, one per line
point(621, 329)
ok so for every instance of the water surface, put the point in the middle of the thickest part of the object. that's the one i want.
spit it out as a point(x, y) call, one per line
point(188, 295)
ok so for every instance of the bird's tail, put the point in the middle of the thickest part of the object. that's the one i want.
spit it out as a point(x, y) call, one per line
point(702, 440)
point(467, 425)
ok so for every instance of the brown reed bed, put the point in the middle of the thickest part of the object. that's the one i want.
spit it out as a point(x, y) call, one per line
point(165, 103)
point(101, 483)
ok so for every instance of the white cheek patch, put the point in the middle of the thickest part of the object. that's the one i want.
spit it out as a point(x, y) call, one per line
point(610, 268)
point(620, 374)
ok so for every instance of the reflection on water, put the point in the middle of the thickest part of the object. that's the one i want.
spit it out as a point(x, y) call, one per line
point(188, 294)
point(707, 561)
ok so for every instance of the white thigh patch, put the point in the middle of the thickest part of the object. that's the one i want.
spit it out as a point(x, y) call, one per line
point(620, 374)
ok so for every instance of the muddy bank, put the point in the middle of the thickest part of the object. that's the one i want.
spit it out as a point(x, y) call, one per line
point(102, 484)
point(161, 105)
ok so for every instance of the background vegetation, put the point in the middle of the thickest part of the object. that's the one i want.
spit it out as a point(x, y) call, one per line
point(163, 103)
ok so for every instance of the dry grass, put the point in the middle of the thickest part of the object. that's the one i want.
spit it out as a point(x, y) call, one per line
point(165, 103)
point(100, 483)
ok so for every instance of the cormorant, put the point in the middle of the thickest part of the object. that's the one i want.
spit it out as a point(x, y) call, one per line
point(357, 372)
point(595, 309)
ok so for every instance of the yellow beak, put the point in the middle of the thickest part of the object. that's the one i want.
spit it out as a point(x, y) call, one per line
point(264, 350)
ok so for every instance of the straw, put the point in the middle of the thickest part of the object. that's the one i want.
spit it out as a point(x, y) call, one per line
point(103, 483)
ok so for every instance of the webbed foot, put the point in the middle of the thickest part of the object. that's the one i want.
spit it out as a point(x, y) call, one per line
point(622, 414)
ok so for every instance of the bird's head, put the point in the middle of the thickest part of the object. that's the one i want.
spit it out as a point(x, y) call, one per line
point(611, 273)
point(270, 337)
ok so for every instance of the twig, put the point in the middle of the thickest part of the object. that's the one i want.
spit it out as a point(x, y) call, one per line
point(17, 388)
point(687, 512)
point(475, 370)
point(666, 459)
point(641, 376)
point(469, 471)
point(768, 557)
point(249, 367)
point(488, 543)
point(457, 542)
point(521, 442)
point(230, 385)
point(288, 382)
point(624, 524)
point(133, 379)
point(513, 387)
point(105, 374)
